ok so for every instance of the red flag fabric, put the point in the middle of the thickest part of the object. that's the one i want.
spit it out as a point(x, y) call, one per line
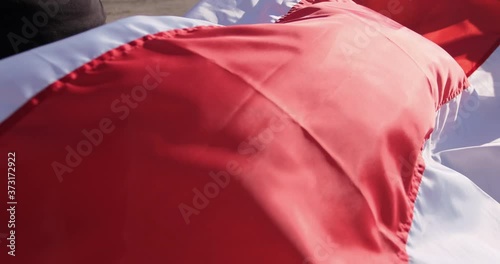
point(457, 214)
point(467, 29)
point(282, 143)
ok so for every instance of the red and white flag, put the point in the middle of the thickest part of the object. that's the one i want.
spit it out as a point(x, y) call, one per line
point(258, 132)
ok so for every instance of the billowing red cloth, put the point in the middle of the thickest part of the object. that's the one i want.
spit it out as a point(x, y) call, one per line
point(294, 142)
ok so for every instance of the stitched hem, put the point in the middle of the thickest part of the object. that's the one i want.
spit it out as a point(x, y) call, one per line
point(404, 228)
point(296, 7)
point(110, 55)
point(462, 86)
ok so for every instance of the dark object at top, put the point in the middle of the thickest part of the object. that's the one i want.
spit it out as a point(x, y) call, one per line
point(26, 24)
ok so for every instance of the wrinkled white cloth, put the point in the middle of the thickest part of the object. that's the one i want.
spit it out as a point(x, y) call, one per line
point(230, 12)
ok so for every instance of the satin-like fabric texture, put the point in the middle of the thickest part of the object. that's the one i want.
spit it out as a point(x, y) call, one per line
point(26, 74)
point(469, 30)
point(249, 144)
point(457, 214)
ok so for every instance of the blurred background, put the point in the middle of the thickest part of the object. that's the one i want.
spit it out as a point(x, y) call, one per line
point(117, 9)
